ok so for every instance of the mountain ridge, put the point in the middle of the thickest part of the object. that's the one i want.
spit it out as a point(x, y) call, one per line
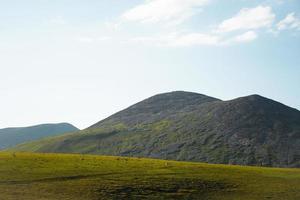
point(200, 98)
point(250, 130)
point(11, 136)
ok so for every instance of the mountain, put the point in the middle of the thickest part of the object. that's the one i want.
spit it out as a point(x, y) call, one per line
point(251, 130)
point(13, 136)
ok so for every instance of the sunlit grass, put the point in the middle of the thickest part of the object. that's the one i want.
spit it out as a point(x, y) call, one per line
point(63, 176)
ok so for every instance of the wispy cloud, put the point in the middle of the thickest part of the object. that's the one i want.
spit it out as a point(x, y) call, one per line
point(289, 22)
point(195, 39)
point(179, 40)
point(246, 37)
point(170, 11)
point(248, 19)
point(243, 27)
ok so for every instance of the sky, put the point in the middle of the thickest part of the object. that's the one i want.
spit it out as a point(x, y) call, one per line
point(80, 61)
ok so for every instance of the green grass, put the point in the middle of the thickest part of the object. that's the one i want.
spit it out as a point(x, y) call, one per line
point(30, 176)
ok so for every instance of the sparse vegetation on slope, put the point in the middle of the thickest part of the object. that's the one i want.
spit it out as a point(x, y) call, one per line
point(83, 177)
point(251, 130)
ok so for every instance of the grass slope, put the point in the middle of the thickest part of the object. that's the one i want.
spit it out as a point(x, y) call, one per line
point(29, 176)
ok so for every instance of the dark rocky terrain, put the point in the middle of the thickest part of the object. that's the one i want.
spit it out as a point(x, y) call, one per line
point(251, 130)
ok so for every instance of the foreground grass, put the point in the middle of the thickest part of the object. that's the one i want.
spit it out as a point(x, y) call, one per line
point(30, 176)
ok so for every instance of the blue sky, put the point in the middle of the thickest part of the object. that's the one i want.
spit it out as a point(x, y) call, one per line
point(80, 61)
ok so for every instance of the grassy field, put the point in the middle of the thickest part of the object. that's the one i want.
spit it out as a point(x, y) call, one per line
point(29, 176)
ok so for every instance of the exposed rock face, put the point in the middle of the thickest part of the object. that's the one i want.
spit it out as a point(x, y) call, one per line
point(251, 130)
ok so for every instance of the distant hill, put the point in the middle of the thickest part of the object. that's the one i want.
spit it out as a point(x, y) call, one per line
point(251, 130)
point(13, 136)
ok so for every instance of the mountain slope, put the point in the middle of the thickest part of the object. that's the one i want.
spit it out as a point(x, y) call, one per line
point(13, 136)
point(250, 130)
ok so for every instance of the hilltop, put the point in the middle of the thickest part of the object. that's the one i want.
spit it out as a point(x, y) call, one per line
point(12, 136)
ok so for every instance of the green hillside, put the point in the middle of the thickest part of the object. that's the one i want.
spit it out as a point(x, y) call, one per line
point(84, 177)
point(13, 136)
point(251, 130)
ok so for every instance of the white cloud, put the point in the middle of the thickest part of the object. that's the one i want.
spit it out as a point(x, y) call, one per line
point(246, 21)
point(170, 11)
point(179, 40)
point(191, 39)
point(246, 37)
point(289, 22)
point(249, 19)
point(195, 39)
